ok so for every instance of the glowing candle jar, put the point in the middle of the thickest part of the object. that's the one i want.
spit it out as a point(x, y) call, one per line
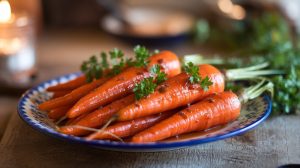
point(17, 51)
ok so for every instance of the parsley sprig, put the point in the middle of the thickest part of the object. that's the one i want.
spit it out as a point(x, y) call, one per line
point(141, 56)
point(148, 85)
point(195, 78)
point(94, 67)
point(160, 76)
point(144, 88)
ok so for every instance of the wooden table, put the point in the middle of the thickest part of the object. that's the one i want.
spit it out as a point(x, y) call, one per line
point(273, 143)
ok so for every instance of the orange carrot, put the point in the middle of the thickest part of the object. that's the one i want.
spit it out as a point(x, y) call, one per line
point(98, 117)
point(70, 85)
point(61, 93)
point(123, 83)
point(71, 97)
point(59, 112)
point(173, 93)
point(129, 128)
point(72, 121)
point(216, 109)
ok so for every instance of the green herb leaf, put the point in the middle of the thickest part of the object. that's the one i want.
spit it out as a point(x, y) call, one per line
point(116, 69)
point(105, 64)
point(193, 71)
point(92, 69)
point(141, 54)
point(160, 76)
point(116, 53)
point(195, 78)
point(144, 88)
point(205, 83)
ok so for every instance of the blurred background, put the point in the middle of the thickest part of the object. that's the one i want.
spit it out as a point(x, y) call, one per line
point(41, 39)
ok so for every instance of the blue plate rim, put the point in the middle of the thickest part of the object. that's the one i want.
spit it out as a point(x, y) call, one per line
point(133, 146)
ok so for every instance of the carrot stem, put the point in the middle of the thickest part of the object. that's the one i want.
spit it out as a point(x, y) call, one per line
point(246, 73)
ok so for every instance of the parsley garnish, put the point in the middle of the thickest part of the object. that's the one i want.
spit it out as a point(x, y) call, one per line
point(195, 78)
point(144, 88)
point(205, 83)
point(141, 55)
point(104, 60)
point(148, 85)
point(117, 57)
point(92, 69)
point(160, 76)
point(192, 70)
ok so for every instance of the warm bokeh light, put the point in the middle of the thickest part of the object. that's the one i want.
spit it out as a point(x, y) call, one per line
point(238, 12)
point(11, 46)
point(5, 11)
point(225, 6)
point(234, 11)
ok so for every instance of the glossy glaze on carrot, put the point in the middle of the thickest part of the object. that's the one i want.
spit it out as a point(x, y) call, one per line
point(71, 97)
point(69, 85)
point(58, 112)
point(98, 117)
point(129, 128)
point(216, 109)
point(173, 93)
point(61, 93)
point(123, 83)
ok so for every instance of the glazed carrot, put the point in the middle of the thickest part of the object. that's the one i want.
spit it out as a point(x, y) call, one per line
point(72, 121)
point(216, 109)
point(71, 97)
point(59, 112)
point(123, 83)
point(61, 93)
point(129, 128)
point(98, 117)
point(173, 93)
point(70, 85)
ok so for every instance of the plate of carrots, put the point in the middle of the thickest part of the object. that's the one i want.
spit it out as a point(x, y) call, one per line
point(152, 102)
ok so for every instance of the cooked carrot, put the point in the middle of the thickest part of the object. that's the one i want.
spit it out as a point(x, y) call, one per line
point(71, 97)
point(59, 112)
point(128, 128)
point(216, 109)
point(61, 93)
point(123, 83)
point(98, 117)
point(70, 85)
point(173, 93)
point(72, 121)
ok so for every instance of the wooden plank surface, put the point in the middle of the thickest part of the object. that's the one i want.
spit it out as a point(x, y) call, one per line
point(273, 143)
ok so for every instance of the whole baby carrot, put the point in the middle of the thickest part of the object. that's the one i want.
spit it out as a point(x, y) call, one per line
point(98, 117)
point(216, 109)
point(123, 83)
point(61, 93)
point(59, 112)
point(70, 85)
point(173, 93)
point(128, 128)
point(71, 97)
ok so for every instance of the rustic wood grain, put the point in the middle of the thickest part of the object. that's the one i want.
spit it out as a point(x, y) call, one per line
point(7, 107)
point(274, 143)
